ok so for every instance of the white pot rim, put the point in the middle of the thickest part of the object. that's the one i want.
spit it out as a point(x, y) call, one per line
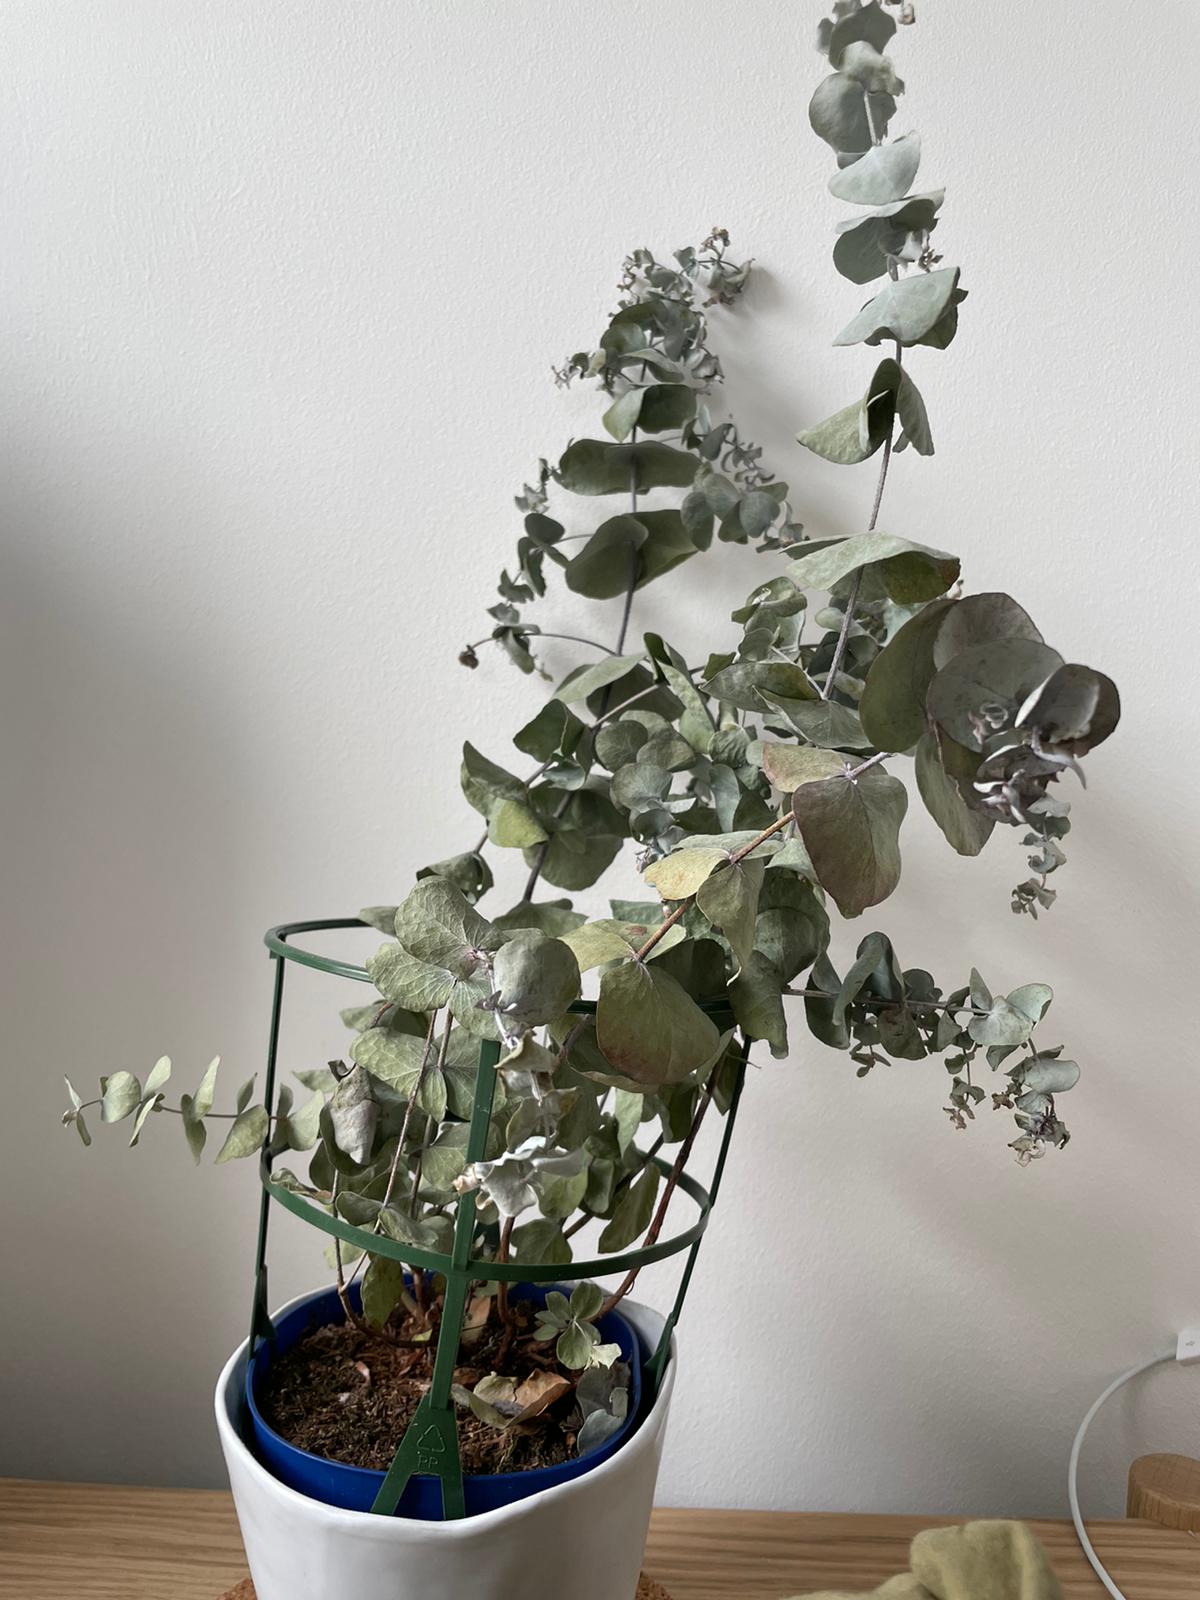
point(647, 1324)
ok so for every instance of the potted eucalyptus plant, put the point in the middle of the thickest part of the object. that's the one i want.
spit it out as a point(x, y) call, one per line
point(761, 790)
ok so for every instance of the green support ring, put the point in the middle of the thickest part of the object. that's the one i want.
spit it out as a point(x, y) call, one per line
point(501, 1271)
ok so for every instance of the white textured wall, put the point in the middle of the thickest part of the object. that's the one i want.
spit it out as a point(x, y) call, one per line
point(283, 282)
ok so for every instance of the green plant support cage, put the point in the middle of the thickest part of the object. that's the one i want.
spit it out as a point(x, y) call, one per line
point(430, 1442)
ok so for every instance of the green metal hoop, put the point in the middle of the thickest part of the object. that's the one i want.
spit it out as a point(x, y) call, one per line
point(430, 1442)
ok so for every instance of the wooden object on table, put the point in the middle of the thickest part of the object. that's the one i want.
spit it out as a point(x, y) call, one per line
point(1165, 1489)
point(647, 1590)
point(64, 1541)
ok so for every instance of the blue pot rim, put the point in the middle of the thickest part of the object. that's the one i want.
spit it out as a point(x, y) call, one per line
point(257, 1364)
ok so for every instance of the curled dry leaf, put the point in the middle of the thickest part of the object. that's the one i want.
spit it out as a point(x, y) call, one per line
point(539, 1391)
point(475, 1321)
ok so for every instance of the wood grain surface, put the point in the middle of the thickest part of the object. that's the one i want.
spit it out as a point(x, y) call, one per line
point(647, 1590)
point(63, 1541)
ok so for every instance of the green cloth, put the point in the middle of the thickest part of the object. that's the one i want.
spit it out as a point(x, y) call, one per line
point(977, 1561)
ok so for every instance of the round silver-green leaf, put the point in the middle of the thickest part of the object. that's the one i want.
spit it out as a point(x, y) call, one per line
point(851, 829)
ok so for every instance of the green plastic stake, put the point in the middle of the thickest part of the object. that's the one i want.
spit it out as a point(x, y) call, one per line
point(261, 1326)
point(429, 1445)
point(430, 1442)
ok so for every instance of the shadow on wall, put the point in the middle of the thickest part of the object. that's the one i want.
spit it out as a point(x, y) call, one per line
point(882, 1383)
point(124, 783)
point(1095, 1268)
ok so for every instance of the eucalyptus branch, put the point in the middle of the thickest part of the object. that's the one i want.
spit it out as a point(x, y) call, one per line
point(619, 1188)
point(616, 711)
point(414, 1193)
point(704, 701)
point(634, 553)
point(839, 651)
point(884, 464)
point(876, 136)
point(343, 1292)
point(506, 1229)
point(543, 849)
point(177, 1111)
point(909, 1005)
point(564, 1049)
point(594, 727)
point(852, 598)
point(412, 1101)
point(740, 855)
point(592, 730)
point(571, 638)
point(398, 1154)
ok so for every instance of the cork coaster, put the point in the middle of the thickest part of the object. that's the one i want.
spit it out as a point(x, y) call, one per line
point(647, 1590)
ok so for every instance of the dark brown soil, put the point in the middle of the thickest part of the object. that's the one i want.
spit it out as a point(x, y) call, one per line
point(348, 1396)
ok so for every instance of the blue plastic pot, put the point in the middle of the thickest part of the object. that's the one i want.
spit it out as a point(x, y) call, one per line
point(354, 1488)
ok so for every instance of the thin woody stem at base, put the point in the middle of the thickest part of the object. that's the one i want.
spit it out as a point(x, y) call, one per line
point(660, 1215)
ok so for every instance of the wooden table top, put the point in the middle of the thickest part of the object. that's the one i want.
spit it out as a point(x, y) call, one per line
point(61, 1541)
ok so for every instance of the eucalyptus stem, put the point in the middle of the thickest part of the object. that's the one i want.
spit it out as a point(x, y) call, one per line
point(910, 1005)
point(412, 1101)
point(542, 850)
point(177, 1111)
point(590, 735)
point(884, 464)
point(592, 730)
point(506, 1228)
point(673, 1177)
point(571, 638)
point(619, 1187)
point(634, 555)
point(839, 650)
point(397, 1156)
point(876, 136)
point(740, 855)
point(343, 1292)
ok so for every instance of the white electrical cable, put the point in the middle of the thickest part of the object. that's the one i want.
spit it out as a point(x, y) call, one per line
point(1073, 1469)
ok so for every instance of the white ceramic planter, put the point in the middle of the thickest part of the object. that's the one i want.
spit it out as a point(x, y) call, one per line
point(592, 1527)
